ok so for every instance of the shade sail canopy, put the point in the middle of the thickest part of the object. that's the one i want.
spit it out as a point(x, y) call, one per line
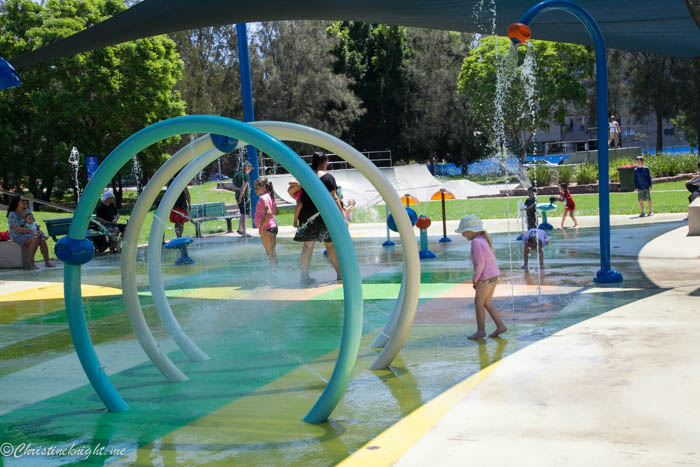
point(666, 27)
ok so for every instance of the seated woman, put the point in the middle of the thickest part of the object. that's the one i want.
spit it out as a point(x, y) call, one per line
point(27, 238)
point(107, 215)
point(693, 186)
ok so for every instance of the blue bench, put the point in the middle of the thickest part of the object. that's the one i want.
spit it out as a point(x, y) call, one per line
point(59, 227)
point(204, 212)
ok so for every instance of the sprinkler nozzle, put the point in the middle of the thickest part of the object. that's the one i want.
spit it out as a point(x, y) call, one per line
point(519, 33)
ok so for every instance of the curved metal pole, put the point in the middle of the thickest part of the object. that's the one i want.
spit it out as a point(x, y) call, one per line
point(155, 278)
point(606, 273)
point(72, 251)
point(395, 332)
point(128, 261)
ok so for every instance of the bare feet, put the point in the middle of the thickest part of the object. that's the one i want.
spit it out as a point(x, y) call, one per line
point(49, 264)
point(477, 335)
point(498, 331)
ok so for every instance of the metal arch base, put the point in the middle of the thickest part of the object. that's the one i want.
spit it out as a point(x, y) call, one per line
point(352, 328)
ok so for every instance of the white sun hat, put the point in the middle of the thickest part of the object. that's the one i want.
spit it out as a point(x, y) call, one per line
point(470, 222)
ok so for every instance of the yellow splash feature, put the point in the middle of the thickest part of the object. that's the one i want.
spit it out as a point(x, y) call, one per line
point(28, 303)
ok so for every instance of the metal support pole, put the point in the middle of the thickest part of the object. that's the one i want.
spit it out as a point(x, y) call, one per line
point(248, 113)
point(606, 273)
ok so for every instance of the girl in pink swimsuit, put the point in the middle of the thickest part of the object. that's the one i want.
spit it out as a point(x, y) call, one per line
point(265, 211)
point(485, 277)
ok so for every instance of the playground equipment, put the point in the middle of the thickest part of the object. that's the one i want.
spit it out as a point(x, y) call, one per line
point(76, 250)
point(180, 244)
point(397, 328)
point(518, 31)
point(442, 195)
point(207, 149)
point(543, 208)
point(423, 223)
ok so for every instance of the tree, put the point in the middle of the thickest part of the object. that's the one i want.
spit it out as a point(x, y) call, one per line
point(293, 78)
point(374, 57)
point(687, 119)
point(555, 92)
point(439, 121)
point(654, 87)
point(92, 101)
point(210, 82)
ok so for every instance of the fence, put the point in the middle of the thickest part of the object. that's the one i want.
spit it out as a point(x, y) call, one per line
point(268, 166)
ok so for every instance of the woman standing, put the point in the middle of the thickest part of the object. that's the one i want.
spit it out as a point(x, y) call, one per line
point(28, 239)
point(312, 229)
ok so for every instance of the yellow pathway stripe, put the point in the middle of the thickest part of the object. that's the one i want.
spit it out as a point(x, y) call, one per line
point(389, 446)
point(29, 303)
point(52, 291)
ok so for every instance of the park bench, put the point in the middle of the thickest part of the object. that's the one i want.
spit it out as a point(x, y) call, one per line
point(204, 212)
point(59, 227)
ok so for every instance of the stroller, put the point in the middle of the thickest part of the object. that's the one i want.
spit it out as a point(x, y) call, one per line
point(107, 237)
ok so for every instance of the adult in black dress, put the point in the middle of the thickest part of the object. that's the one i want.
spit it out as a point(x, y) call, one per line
point(312, 229)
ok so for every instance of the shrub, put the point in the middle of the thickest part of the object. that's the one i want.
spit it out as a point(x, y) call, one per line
point(566, 173)
point(540, 175)
point(613, 174)
point(621, 161)
point(586, 173)
point(688, 163)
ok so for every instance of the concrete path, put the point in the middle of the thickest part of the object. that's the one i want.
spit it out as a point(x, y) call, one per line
point(619, 389)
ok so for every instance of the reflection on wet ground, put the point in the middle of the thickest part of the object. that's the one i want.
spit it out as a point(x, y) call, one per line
point(273, 346)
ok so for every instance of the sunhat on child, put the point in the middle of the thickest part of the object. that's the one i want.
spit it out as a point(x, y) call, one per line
point(470, 222)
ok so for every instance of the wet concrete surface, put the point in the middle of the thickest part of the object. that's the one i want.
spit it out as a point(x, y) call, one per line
point(273, 346)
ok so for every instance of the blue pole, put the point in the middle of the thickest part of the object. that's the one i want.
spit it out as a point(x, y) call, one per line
point(606, 273)
point(248, 113)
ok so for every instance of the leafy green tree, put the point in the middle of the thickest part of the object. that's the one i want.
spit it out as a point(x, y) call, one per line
point(210, 82)
point(687, 119)
point(555, 92)
point(374, 57)
point(654, 87)
point(92, 101)
point(293, 78)
point(439, 121)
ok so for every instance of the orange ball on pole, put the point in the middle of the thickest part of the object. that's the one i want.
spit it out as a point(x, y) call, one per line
point(519, 32)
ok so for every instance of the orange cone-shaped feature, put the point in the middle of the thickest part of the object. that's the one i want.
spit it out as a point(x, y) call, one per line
point(438, 195)
point(409, 200)
point(519, 32)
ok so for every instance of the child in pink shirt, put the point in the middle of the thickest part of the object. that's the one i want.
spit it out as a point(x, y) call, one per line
point(485, 277)
point(265, 211)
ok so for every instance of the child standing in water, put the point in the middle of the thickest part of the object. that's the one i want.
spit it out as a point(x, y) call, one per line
point(531, 208)
point(265, 211)
point(485, 277)
point(295, 190)
point(569, 206)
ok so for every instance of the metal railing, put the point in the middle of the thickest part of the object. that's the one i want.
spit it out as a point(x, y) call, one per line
point(269, 166)
point(38, 201)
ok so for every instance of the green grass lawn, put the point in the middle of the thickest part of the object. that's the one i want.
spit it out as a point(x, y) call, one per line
point(495, 208)
point(671, 186)
point(486, 208)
